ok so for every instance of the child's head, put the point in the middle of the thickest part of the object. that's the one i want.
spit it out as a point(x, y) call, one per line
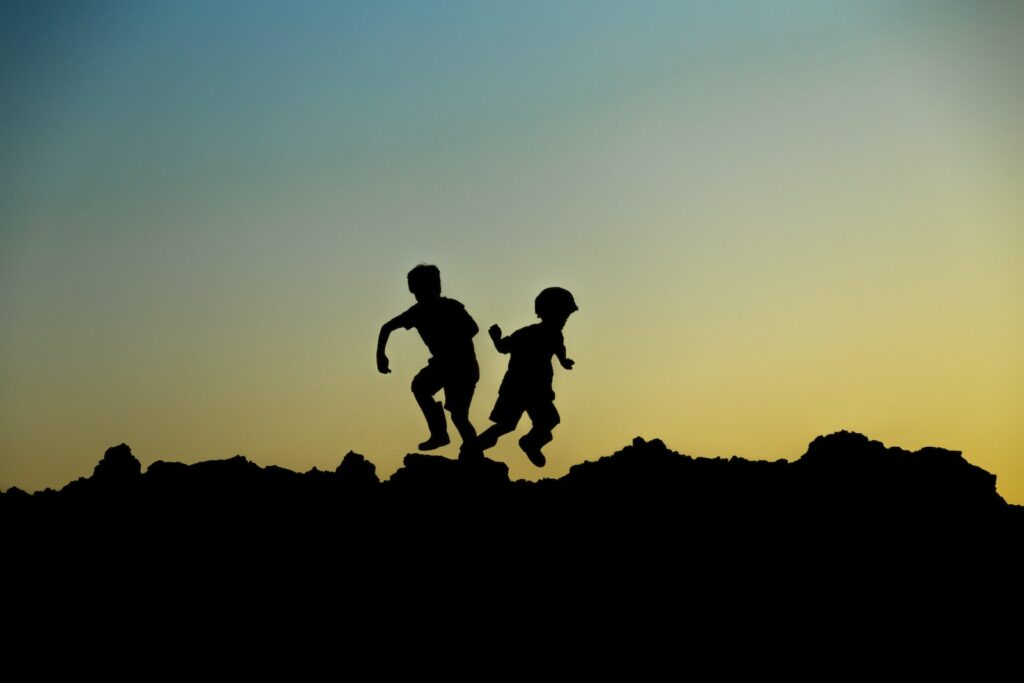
point(425, 282)
point(555, 305)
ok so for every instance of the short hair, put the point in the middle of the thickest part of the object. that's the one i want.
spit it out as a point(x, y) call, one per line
point(425, 277)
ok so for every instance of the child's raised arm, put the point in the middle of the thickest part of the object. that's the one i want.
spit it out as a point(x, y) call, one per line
point(500, 343)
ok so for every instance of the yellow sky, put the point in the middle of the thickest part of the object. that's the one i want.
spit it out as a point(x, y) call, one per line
point(777, 224)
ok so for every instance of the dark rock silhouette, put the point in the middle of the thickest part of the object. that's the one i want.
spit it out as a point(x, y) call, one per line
point(118, 467)
point(843, 476)
point(850, 526)
point(357, 472)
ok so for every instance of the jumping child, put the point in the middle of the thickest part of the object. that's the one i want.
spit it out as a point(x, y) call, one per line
point(447, 330)
point(527, 383)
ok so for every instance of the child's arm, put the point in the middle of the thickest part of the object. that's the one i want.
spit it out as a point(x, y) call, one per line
point(566, 363)
point(390, 326)
point(500, 343)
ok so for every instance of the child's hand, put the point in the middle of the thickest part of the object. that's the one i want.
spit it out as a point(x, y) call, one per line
point(567, 363)
point(495, 332)
point(382, 363)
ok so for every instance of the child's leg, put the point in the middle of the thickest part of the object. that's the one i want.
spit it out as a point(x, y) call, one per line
point(491, 435)
point(466, 429)
point(458, 395)
point(505, 416)
point(545, 418)
point(425, 384)
point(531, 444)
point(536, 438)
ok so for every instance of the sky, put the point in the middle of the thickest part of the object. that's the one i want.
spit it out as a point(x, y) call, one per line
point(779, 220)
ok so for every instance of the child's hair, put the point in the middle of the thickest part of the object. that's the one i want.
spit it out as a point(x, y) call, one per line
point(425, 277)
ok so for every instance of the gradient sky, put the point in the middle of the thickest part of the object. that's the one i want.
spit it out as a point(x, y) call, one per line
point(779, 220)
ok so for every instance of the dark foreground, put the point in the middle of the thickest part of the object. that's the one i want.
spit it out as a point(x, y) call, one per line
point(850, 531)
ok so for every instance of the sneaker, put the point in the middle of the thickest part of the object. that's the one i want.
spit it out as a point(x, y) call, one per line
point(435, 441)
point(532, 452)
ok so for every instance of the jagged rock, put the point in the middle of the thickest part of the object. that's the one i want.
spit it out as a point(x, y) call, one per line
point(645, 527)
point(356, 470)
point(847, 470)
point(16, 493)
point(645, 490)
point(118, 466)
point(419, 470)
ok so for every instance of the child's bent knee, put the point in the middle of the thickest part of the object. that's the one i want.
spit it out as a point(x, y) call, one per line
point(421, 387)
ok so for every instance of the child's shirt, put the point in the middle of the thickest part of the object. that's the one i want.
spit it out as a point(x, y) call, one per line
point(530, 350)
point(446, 328)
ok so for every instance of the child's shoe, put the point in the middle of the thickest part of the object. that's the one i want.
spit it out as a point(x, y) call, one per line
point(435, 441)
point(532, 451)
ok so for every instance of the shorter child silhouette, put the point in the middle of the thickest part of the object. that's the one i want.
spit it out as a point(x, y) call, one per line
point(527, 383)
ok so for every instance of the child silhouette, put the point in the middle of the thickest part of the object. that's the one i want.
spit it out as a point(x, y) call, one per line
point(527, 383)
point(447, 330)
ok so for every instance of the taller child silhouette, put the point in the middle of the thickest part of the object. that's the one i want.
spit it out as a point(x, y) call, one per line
point(447, 330)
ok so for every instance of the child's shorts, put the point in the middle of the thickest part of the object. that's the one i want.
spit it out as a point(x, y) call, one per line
point(458, 386)
point(509, 408)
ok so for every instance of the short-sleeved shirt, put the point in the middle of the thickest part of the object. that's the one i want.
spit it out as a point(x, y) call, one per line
point(447, 329)
point(529, 366)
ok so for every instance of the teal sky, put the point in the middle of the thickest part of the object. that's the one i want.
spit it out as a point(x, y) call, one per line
point(780, 220)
